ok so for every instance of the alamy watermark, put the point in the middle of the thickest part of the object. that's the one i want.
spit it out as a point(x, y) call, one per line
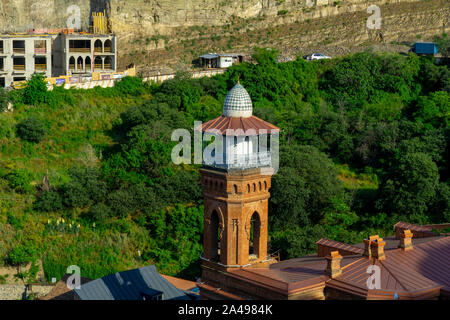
point(74, 20)
point(374, 280)
point(374, 21)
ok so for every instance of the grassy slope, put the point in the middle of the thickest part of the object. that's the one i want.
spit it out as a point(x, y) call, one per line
point(72, 130)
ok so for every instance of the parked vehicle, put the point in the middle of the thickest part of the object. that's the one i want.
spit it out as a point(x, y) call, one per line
point(316, 56)
point(424, 48)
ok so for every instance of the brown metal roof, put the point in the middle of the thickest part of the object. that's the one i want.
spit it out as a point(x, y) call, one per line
point(416, 274)
point(417, 230)
point(223, 123)
point(290, 275)
point(325, 246)
point(392, 242)
point(181, 284)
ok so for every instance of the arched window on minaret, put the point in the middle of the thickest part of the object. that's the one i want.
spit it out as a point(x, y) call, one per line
point(255, 227)
point(215, 236)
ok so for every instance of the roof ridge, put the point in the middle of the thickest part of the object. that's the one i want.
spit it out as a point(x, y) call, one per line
point(340, 243)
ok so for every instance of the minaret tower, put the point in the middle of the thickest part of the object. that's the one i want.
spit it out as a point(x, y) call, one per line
point(236, 187)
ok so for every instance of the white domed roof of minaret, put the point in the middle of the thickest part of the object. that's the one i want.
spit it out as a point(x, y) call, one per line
point(238, 103)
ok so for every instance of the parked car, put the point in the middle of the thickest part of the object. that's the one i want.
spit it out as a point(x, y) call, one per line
point(424, 48)
point(316, 56)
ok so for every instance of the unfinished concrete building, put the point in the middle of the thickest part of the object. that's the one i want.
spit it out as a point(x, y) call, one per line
point(23, 55)
point(57, 54)
point(82, 54)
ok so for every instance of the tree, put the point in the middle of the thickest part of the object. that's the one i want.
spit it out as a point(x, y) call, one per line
point(31, 129)
point(409, 186)
point(36, 90)
point(434, 109)
point(296, 241)
point(303, 187)
point(443, 43)
point(265, 56)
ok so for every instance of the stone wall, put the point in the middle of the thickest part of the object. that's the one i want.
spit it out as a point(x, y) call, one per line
point(19, 292)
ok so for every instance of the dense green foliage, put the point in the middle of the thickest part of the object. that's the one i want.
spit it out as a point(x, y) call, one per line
point(31, 129)
point(364, 143)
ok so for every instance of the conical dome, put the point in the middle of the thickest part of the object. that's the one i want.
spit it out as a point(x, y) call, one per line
point(238, 103)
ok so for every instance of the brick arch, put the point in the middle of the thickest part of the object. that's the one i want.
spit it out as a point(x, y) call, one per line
point(213, 240)
point(254, 247)
point(248, 219)
point(221, 217)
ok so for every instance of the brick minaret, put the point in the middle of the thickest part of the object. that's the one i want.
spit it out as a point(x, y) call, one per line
point(236, 188)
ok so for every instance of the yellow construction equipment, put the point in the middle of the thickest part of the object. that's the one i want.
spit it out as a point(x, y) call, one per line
point(100, 23)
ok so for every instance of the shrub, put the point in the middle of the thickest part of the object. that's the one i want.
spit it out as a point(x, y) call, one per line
point(99, 213)
point(22, 254)
point(20, 180)
point(130, 86)
point(31, 129)
point(49, 201)
point(84, 188)
point(3, 100)
point(5, 128)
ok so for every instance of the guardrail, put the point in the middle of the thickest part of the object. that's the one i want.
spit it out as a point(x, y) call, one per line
point(19, 67)
point(82, 50)
point(195, 75)
point(40, 66)
point(242, 161)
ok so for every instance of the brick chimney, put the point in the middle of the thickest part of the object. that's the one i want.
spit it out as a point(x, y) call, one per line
point(406, 240)
point(368, 245)
point(378, 249)
point(333, 264)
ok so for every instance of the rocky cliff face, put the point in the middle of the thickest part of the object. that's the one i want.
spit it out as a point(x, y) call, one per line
point(159, 16)
point(139, 24)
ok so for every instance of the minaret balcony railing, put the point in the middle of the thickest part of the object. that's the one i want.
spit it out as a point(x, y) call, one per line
point(244, 161)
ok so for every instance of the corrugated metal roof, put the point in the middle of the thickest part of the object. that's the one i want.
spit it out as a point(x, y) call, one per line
point(343, 248)
point(413, 274)
point(128, 285)
point(417, 230)
point(223, 123)
point(209, 56)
